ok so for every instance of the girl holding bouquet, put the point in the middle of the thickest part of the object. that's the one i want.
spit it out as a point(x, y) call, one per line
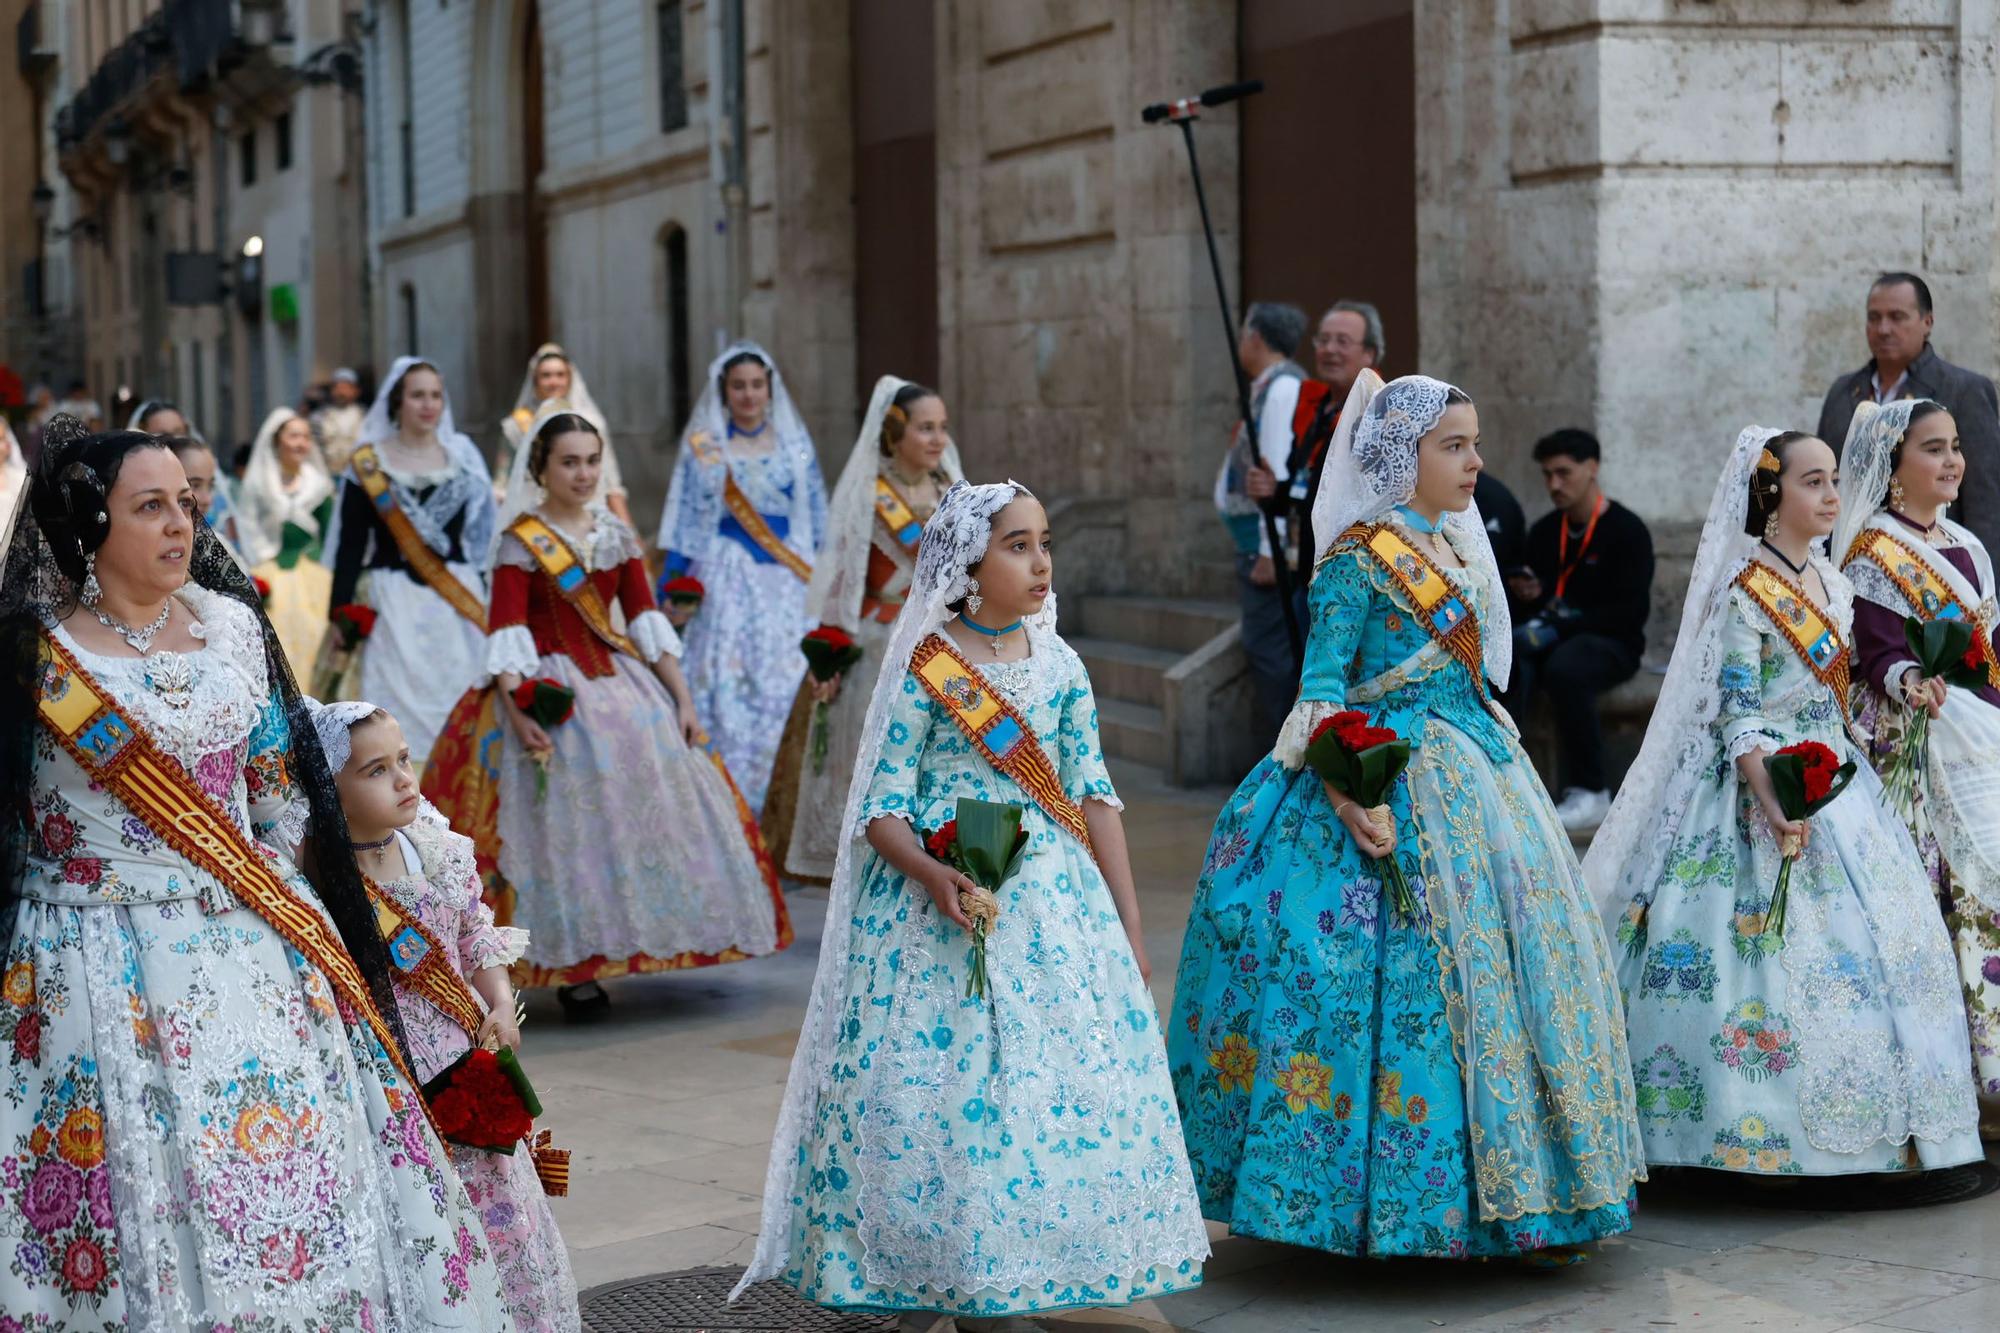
point(622, 845)
point(941, 1152)
point(1902, 466)
point(1837, 1042)
point(1429, 1063)
point(745, 515)
point(902, 463)
point(450, 964)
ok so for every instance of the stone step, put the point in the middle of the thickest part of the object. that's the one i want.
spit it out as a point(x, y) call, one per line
point(1128, 671)
point(1133, 731)
point(1178, 625)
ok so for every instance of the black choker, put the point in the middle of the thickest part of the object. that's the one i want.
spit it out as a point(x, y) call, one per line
point(1798, 571)
point(372, 846)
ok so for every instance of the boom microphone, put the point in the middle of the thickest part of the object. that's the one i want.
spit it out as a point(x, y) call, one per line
point(1186, 108)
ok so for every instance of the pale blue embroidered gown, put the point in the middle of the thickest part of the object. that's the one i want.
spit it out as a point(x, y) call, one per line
point(1016, 1153)
point(1357, 1084)
point(1838, 1047)
point(743, 663)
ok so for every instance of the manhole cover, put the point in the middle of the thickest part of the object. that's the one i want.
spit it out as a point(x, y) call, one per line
point(1849, 1194)
point(698, 1300)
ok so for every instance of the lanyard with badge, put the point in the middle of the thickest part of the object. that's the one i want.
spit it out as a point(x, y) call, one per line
point(1564, 565)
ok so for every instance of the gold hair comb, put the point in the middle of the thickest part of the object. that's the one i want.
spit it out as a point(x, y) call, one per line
point(1768, 462)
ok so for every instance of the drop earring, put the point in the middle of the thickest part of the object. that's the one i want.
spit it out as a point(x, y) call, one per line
point(92, 591)
point(973, 601)
point(1896, 494)
point(1771, 526)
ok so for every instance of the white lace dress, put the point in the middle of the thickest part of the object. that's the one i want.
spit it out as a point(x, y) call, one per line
point(195, 1136)
point(1016, 1153)
point(1838, 1048)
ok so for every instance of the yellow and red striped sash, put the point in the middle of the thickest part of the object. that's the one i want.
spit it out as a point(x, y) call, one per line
point(565, 569)
point(82, 717)
point(1929, 596)
point(1442, 611)
point(420, 959)
point(1801, 623)
point(996, 731)
point(429, 564)
point(898, 519)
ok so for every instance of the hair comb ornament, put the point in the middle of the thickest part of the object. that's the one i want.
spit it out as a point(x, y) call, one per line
point(1768, 461)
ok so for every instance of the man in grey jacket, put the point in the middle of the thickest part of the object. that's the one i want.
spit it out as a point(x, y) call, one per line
point(1905, 365)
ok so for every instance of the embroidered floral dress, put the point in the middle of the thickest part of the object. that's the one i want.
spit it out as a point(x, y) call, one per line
point(632, 853)
point(743, 663)
point(442, 893)
point(195, 1136)
point(1840, 1047)
point(1956, 798)
point(1359, 1084)
point(1015, 1153)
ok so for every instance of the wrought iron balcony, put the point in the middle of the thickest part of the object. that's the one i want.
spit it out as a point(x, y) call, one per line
point(187, 42)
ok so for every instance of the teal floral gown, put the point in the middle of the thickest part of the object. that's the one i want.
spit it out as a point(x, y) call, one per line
point(1360, 1084)
point(1008, 1154)
point(1837, 1047)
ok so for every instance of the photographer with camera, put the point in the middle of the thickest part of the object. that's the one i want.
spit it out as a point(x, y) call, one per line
point(1585, 592)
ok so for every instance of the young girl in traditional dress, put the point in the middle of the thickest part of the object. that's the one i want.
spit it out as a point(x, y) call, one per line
point(622, 846)
point(942, 1152)
point(1447, 1079)
point(412, 527)
point(902, 463)
point(553, 378)
point(745, 515)
point(1901, 467)
point(425, 885)
point(284, 507)
point(1838, 1044)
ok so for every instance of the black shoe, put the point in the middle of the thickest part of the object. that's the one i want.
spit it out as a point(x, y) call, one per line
point(582, 1002)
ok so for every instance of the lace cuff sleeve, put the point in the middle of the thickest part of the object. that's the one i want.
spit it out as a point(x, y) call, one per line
point(1306, 715)
point(512, 649)
point(653, 636)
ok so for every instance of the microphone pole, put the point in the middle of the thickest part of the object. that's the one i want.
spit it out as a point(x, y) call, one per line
point(1183, 113)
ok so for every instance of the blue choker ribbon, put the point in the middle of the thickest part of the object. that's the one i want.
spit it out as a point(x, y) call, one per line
point(762, 426)
point(1419, 522)
point(975, 626)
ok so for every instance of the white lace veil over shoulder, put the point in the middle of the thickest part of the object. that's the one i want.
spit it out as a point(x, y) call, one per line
point(523, 491)
point(1628, 853)
point(262, 502)
point(1327, 502)
point(954, 540)
point(578, 397)
point(1373, 468)
point(469, 465)
point(1866, 461)
point(711, 418)
point(840, 575)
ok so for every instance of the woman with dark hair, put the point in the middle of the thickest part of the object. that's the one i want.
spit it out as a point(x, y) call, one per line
point(612, 837)
point(412, 527)
point(1829, 1038)
point(207, 1114)
point(902, 464)
point(745, 515)
point(1903, 466)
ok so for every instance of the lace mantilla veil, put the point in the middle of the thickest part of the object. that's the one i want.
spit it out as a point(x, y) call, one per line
point(470, 466)
point(523, 491)
point(42, 568)
point(1630, 847)
point(1866, 462)
point(711, 418)
point(954, 540)
point(840, 574)
point(262, 496)
point(1372, 468)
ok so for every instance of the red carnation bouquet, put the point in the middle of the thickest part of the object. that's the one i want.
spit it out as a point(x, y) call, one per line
point(548, 703)
point(985, 843)
point(1364, 762)
point(352, 622)
point(1943, 650)
point(483, 1100)
point(263, 589)
point(685, 592)
point(830, 651)
point(1805, 778)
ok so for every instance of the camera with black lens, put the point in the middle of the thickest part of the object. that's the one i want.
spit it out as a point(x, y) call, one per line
point(1547, 627)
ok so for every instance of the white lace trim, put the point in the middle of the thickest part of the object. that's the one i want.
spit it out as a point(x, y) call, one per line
point(653, 635)
point(1305, 717)
point(511, 648)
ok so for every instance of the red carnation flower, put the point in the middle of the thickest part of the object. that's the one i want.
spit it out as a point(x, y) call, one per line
point(352, 622)
point(1973, 660)
point(834, 637)
point(939, 843)
point(686, 588)
point(263, 588)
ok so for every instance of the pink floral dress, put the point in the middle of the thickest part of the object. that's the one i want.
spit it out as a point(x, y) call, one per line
point(443, 895)
point(193, 1135)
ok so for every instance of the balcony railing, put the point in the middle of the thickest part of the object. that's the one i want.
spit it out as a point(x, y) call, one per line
point(190, 41)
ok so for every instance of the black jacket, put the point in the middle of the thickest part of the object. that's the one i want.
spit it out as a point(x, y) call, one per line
point(1973, 404)
point(1611, 591)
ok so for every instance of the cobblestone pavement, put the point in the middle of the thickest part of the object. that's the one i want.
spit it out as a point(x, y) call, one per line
point(669, 1102)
